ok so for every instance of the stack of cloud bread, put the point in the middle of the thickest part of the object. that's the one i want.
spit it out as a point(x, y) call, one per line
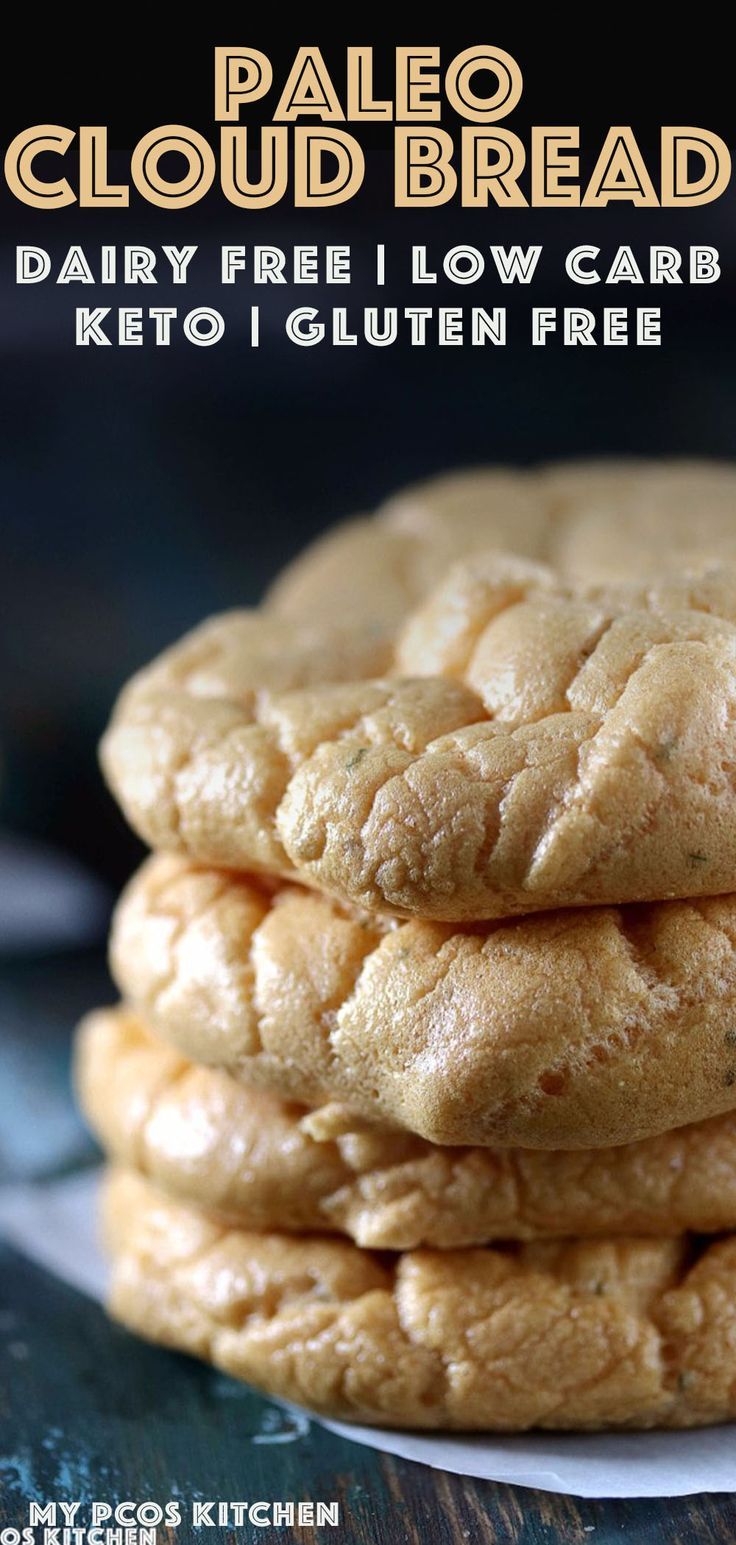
point(421, 1103)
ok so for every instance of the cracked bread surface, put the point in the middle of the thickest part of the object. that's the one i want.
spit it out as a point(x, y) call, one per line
point(577, 748)
point(261, 1163)
point(592, 520)
point(578, 1029)
point(380, 566)
point(601, 770)
point(585, 1335)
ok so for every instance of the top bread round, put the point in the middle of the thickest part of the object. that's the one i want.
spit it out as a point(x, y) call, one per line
point(592, 520)
point(531, 743)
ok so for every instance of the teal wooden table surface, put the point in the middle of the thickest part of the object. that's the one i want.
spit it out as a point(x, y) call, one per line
point(88, 1413)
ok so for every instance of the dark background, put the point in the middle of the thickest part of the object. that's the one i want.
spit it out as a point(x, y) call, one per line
point(141, 489)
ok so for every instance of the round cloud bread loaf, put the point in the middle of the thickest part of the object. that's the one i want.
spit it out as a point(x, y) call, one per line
point(576, 1029)
point(592, 520)
point(552, 747)
point(260, 1163)
point(630, 1333)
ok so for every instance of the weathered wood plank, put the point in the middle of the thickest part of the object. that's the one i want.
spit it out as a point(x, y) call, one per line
point(88, 1412)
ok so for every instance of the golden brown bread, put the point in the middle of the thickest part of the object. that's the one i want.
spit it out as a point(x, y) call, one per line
point(592, 520)
point(375, 568)
point(576, 1029)
point(613, 1333)
point(616, 519)
point(260, 1163)
point(207, 775)
point(603, 772)
point(579, 748)
point(237, 655)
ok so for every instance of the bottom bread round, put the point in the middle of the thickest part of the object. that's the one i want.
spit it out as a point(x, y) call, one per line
point(616, 1333)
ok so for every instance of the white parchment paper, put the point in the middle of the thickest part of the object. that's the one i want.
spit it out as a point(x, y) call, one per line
point(54, 1224)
